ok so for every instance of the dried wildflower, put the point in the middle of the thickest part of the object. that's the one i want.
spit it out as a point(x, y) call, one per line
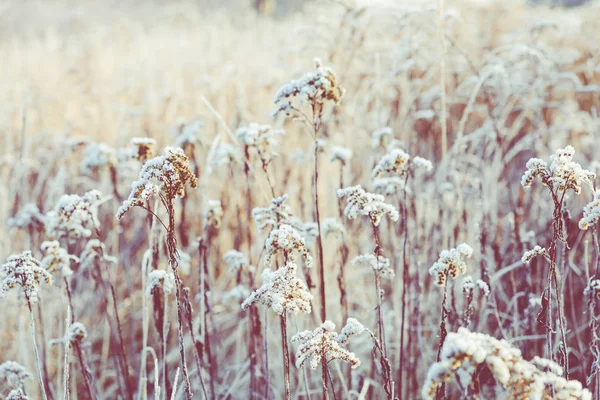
point(390, 185)
point(381, 138)
point(464, 352)
point(530, 254)
point(324, 342)
point(213, 214)
point(25, 271)
point(592, 288)
point(56, 258)
point(422, 163)
point(162, 280)
point(226, 154)
point(332, 226)
point(14, 374)
point(341, 154)
point(94, 251)
point(17, 394)
point(591, 212)
point(308, 230)
point(74, 216)
point(165, 175)
point(97, 156)
point(76, 333)
point(261, 138)
point(451, 262)
point(145, 148)
point(315, 87)
point(277, 213)
point(236, 261)
point(379, 265)
point(393, 163)
point(365, 203)
point(562, 174)
point(468, 285)
point(189, 133)
point(237, 293)
point(288, 240)
point(282, 291)
point(28, 217)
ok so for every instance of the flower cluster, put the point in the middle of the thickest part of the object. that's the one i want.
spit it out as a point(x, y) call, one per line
point(56, 258)
point(288, 240)
point(464, 351)
point(365, 203)
point(332, 226)
point(226, 154)
point(28, 217)
point(451, 262)
point(165, 175)
point(382, 137)
point(530, 254)
point(562, 174)
point(25, 271)
point(314, 88)
point(261, 138)
point(341, 154)
point(145, 148)
point(282, 291)
point(468, 285)
point(97, 156)
point(277, 213)
point(379, 265)
point(189, 133)
point(393, 163)
point(162, 280)
point(17, 394)
point(591, 212)
point(236, 261)
point(76, 333)
point(324, 342)
point(213, 214)
point(74, 216)
point(94, 251)
point(13, 373)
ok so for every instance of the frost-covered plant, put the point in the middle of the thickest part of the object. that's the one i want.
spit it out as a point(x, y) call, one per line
point(236, 261)
point(76, 333)
point(145, 148)
point(226, 154)
point(465, 352)
point(74, 216)
point(289, 241)
point(189, 133)
point(372, 205)
point(390, 185)
point(94, 251)
point(213, 214)
point(531, 254)
point(379, 265)
point(333, 226)
point(14, 374)
point(592, 288)
point(262, 138)
point(450, 263)
point(341, 154)
point(25, 271)
point(591, 212)
point(468, 284)
point(324, 342)
point(97, 156)
point(161, 280)
point(393, 163)
point(381, 138)
point(17, 394)
point(56, 258)
point(279, 212)
point(28, 217)
point(282, 291)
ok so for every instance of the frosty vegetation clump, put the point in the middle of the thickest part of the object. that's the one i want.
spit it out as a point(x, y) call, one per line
point(451, 263)
point(74, 216)
point(25, 271)
point(372, 205)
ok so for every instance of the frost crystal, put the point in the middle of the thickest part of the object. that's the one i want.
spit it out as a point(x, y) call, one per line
point(282, 291)
point(562, 174)
point(17, 394)
point(464, 352)
point(530, 254)
point(94, 251)
point(288, 240)
point(468, 285)
point(25, 271)
point(56, 258)
point(277, 213)
point(593, 288)
point(325, 342)
point(166, 175)
point(76, 333)
point(451, 262)
point(591, 212)
point(365, 203)
point(162, 280)
point(74, 216)
point(380, 265)
point(393, 163)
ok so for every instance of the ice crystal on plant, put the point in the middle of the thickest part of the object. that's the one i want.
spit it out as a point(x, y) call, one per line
point(165, 175)
point(94, 251)
point(368, 204)
point(226, 154)
point(260, 137)
point(236, 261)
point(591, 212)
point(25, 271)
point(274, 215)
point(145, 148)
point(213, 214)
point(341, 154)
point(381, 138)
point(593, 288)
point(56, 258)
point(76, 333)
point(325, 342)
point(162, 280)
point(282, 291)
point(28, 217)
point(468, 284)
point(13, 373)
point(379, 265)
point(332, 226)
point(189, 133)
point(17, 394)
point(393, 163)
point(289, 241)
point(74, 216)
point(97, 156)
point(451, 262)
point(530, 254)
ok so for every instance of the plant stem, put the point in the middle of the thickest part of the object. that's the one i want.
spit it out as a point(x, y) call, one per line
point(286, 355)
point(36, 352)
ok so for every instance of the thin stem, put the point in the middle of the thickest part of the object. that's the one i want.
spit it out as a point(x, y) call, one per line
point(286, 355)
point(36, 352)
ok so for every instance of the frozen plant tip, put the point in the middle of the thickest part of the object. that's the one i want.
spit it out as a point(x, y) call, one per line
point(236, 261)
point(74, 216)
point(162, 280)
point(530, 254)
point(76, 333)
point(165, 175)
point(368, 204)
point(17, 394)
point(25, 271)
point(468, 284)
point(591, 212)
point(97, 156)
point(393, 163)
point(277, 213)
point(341, 154)
point(144, 148)
point(28, 217)
point(593, 288)
point(379, 265)
point(324, 342)
point(451, 262)
point(13, 373)
point(260, 137)
point(56, 258)
point(289, 241)
point(282, 291)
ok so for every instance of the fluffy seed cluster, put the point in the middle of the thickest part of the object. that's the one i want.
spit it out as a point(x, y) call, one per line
point(468, 284)
point(97, 156)
point(76, 333)
point(562, 174)
point(165, 175)
point(341, 154)
point(277, 213)
point(325, 342)
point(451, 262)
point(379, 265)
point(56, 258)
point(161, 280)
point(591, 212)
point(260, 137)
point(25, 271)
point(464, 351)
point(28, 217)
point(236, 261)
point(315, 87)
point(393, 163)
point(530, 254)
point(289, 241)
point(282, 291)
point(74, 216)
point(13, 373)
point(368, 204)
